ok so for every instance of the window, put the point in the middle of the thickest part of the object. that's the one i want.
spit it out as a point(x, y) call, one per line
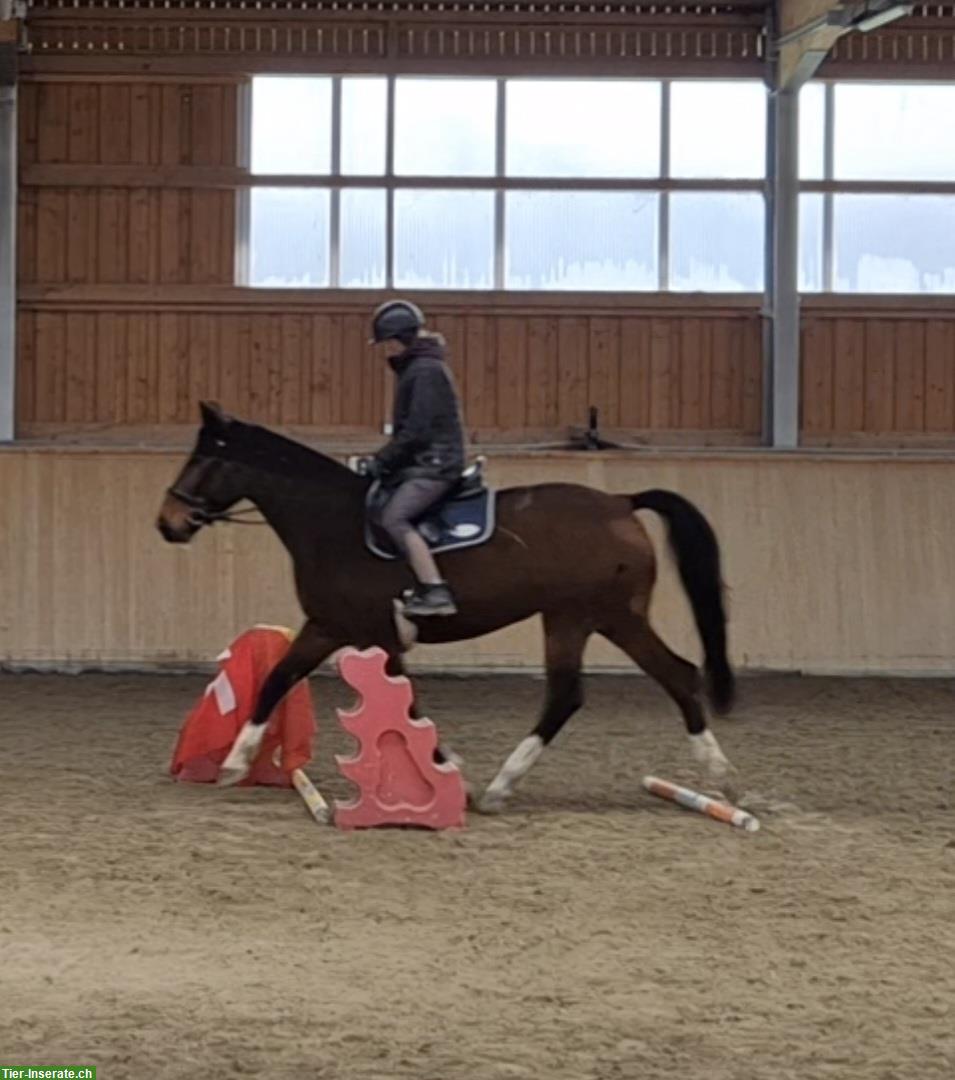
point(292, 126)
point(812, 132)
point(364, 126)
point(894, 132)
point(445, 127)
point(536, 184)
point(582, 240)
point(718, 130)
point(289, 236)
point(811, 266)
point(569, 128)
point(878, 176)
point(716, 242)
point(592, 184)
point(894, 243)
point(364, 218)
point(444, 239)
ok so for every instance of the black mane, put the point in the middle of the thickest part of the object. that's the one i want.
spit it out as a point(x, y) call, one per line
point(260, 448)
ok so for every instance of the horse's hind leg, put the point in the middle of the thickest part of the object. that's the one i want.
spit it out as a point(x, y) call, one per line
point(564, 644)
point(306, 652)
point(681, 680)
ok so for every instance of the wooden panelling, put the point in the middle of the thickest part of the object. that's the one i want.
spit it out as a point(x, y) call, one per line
point(142, 236)
point(825, 569)
point(126, 234)
point(116, 123)
point(129, 313)
point(939, 376)
point(516, 375)
point(559, 38)
point(111, 369)
point(922, 47)
point(889, 376)
point(121, 323)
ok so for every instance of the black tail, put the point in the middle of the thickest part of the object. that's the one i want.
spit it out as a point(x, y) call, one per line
point(698, 557)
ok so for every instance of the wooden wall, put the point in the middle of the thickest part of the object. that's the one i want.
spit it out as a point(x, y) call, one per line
point(560, 38)
point(879, 378)
point(520, 375)
point(133, 370)
point(125, 235)
point(128, 313)
point(835, 563)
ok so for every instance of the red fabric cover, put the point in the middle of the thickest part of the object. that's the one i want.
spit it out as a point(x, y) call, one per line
point(211, 727)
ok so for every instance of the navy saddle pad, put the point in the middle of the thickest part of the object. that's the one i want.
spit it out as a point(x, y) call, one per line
point(465, 518)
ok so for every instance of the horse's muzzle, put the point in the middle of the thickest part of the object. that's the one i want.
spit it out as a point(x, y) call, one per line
point(177, 534)
point(177, 521)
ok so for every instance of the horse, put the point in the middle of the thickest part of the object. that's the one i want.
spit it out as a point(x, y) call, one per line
point(578, 557)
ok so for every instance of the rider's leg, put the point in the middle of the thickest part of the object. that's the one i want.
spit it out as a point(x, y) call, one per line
point(405, 507)
point(420, 559)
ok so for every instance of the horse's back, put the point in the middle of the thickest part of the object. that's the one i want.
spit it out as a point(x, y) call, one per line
point(561, 495)
point(555, 516)
point(552, 501)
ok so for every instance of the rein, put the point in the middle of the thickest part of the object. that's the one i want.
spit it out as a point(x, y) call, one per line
point(203, 516)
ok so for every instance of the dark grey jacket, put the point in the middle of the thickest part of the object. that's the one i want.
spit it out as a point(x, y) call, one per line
point(428, 436)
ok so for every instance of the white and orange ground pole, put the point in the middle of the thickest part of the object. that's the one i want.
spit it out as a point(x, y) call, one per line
point(702, 804)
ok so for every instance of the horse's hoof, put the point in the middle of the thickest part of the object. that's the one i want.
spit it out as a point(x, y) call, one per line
point(240, 758)
point(724, 787)
point(229, 777)
point(732, 792)
point(727, 781)
point(491, 803)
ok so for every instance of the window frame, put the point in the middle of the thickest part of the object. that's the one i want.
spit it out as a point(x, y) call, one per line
point(829, 187)
point(499, 183)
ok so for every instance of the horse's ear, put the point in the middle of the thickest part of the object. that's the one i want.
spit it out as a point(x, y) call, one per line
point(213, 418)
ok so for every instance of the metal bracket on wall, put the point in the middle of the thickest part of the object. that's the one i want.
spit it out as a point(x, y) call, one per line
point(866, 16)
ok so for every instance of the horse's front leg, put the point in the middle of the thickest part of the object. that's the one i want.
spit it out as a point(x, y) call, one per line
point(396, 668)
point(307, 651)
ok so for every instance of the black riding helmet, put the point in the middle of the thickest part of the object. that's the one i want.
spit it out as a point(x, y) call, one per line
point(396, 319)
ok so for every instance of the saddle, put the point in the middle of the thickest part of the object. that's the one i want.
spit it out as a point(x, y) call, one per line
point(463, 518)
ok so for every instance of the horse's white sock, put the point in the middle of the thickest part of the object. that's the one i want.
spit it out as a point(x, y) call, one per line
point(706, 752)
point(517, 766)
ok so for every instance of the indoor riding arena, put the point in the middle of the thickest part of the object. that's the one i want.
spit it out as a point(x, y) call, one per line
point(692, 269)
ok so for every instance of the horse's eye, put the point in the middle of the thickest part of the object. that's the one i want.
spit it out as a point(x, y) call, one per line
point(220, 442)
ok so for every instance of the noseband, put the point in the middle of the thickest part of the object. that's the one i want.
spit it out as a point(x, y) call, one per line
point(201, 514)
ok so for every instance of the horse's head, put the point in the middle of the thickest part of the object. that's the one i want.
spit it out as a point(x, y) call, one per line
point(209, 483)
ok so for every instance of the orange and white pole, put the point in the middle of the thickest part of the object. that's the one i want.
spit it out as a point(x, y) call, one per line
point(693, 800)
point(317, 806)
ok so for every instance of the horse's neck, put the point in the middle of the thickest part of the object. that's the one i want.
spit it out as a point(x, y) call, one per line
point(300, 512)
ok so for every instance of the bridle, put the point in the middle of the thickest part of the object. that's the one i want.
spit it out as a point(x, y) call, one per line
point(202, 515)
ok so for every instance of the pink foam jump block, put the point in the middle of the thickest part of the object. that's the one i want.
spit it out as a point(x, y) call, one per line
point(398, 780)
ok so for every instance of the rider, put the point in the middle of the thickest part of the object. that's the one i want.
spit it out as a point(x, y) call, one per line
point(426, 455)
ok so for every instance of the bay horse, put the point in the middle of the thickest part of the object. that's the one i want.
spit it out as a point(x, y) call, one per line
point(578, 557)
